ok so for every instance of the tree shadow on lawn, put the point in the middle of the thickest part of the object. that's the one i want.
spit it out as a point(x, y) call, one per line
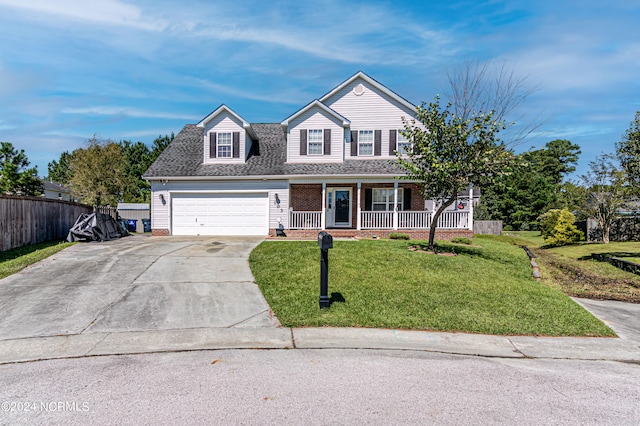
point(444, 248)
point(619, 254)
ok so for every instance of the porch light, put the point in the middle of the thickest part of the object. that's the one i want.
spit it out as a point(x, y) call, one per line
point(162, 200)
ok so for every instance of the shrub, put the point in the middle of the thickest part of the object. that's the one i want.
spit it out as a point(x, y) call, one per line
point(398, 236)
point(507, 228)
point(461, 240)
point(557, 227)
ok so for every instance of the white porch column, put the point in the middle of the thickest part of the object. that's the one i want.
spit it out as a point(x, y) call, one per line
point(395, 205)
point(470, 209)
point(358, 209)
point(323, 214)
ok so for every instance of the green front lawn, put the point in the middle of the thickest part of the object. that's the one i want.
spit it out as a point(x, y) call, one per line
point(571, 268)
point(12, 261)
point(486, 288)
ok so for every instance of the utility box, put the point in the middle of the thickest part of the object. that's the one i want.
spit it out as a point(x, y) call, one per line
point(325, 240)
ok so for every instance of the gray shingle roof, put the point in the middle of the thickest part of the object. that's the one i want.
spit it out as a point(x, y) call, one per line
point(55, 186)
point(183, 158)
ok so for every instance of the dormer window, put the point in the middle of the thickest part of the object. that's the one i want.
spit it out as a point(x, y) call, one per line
point(225, 145)
point(315, 142)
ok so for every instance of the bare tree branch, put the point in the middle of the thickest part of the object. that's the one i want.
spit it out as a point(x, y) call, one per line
point(480, 88)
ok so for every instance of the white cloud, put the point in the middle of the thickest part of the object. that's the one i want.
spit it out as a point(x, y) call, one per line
point(127, 111)
point(112, 12)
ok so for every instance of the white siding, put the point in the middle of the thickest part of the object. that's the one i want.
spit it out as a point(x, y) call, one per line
point(161, 213)
point(279, 212)
point(225, 122)
point(372, 110)
point(315, 118)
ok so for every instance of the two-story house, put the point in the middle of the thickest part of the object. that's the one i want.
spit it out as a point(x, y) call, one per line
point(330, 165)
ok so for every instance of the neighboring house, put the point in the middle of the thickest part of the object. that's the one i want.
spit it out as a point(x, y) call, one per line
point(330, 165)
point(56, 191)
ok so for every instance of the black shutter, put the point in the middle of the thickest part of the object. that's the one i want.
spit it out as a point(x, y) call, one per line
point(406, 202)
point(327, 141)
point(236, 144)
point(368, 200)
point(354, 143)
point(303, 142)
point(212, 145)
point(377, 143)
point(392, 142)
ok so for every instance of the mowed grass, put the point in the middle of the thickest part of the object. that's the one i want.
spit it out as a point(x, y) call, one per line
point(12, 261)
point(572, 269)
point(486, 288)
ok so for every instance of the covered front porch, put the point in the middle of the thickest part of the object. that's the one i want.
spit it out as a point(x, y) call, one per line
point(370, 207)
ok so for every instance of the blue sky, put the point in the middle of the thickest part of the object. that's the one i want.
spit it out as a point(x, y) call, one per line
point(136, 69)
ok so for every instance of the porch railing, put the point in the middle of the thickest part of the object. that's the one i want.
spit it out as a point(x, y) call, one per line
point(454, 220)
point(414, 220)
point(384, 220)
point(305, 220)
point(377, 220)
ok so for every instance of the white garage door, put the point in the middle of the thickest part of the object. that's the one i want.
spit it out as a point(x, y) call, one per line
point(220, 214)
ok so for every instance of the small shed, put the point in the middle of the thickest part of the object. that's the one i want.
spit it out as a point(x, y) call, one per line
point(140, 212)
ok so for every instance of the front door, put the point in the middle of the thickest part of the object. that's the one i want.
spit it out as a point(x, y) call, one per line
point(339, 207)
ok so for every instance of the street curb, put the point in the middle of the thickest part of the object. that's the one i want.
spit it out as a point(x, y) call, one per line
point(179, 340)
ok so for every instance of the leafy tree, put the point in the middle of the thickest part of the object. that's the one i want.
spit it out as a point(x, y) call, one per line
point(138, 159)
point(60, 171)
point(450, 153)
point(137, 156)
point(518, 196)
point(99, 172)
point(607, 192)
point(159, 144)
point(558, 229)
point(628, 152)
point(572, 196)
point(530, 186)
point(557, 159)
point(15, 175)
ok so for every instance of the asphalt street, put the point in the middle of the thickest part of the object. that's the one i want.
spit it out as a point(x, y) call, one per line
point(318, 387)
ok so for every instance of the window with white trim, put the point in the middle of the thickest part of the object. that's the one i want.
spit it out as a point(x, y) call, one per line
point(225, 145)
point(314, 142)
point(365, 142)
point(382, 199)
point(403, 144)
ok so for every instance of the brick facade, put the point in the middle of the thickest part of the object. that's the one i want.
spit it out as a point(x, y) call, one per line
point(417, 201)
point(306, 197)
point(160, 232)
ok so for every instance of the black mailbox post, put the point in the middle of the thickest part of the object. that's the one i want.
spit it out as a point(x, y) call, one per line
point(325, 242)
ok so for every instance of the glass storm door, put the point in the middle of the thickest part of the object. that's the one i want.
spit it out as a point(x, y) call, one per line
point(343, 208)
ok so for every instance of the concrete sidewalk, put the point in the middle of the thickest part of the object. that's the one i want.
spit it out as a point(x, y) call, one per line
point(137, 342)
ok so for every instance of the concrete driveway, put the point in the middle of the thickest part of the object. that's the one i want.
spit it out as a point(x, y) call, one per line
point(136, 283)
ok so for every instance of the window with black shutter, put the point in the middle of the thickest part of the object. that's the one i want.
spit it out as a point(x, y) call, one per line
point(212, 145)
point(303, 142)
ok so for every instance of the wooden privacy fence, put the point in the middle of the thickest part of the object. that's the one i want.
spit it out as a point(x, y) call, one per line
point(625, 228)
point(31, 220)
